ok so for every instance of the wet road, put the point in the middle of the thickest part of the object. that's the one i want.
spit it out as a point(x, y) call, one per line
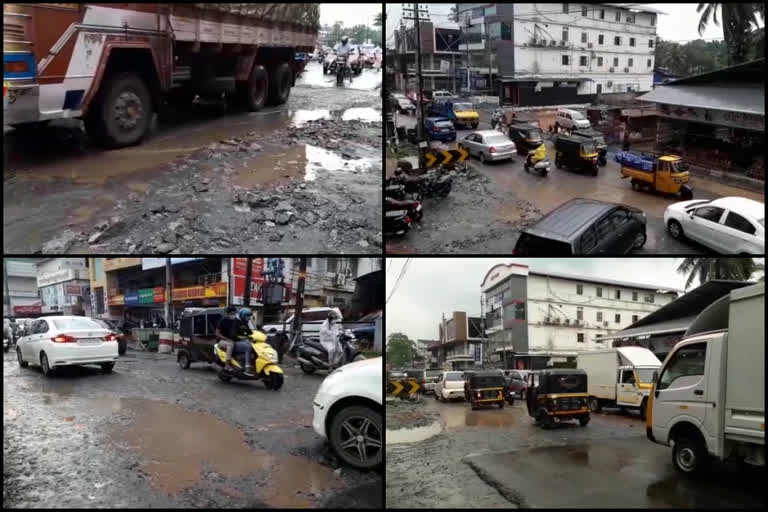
point(510, 185)
point(498, 458)
point(153, 435)
point(320, 152)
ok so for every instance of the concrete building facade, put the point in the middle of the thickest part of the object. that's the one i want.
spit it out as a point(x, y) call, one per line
point(20, 293)
point(64, 286)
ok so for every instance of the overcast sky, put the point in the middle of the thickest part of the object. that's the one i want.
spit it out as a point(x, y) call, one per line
point(350, 14)
point(433, 286)
point(680, 22)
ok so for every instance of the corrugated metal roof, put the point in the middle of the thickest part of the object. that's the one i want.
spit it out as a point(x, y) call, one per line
point(600, 280)
point(738, 97)
point(676, 324)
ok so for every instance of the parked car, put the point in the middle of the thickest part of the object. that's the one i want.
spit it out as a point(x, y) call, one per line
point(584, 226)
point(488, 145)
point(122, 342)
point(403, 105)
point(571, 119)
point(437, 95)
point(515, 386)
point(461, 113)
point(439, 128)
point(427, 379)
point(349, 413)
point(57, 341)
point(311, 319)
point(730, 225)
point(450, 386)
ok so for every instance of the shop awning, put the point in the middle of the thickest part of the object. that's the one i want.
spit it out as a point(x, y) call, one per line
point(744, 97)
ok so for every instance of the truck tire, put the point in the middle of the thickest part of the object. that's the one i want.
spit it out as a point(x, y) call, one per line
point(689, 455)
point(280, 84)
point(594, 404)
point(253, 94)
point(121, 113)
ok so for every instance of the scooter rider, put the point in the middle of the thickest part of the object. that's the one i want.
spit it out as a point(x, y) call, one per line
point(537, 155)
point(244, 330)
point(330, 331)
point(226, 332)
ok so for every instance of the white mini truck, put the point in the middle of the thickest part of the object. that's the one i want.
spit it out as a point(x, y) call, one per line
point(708, 400)
point(619, 377)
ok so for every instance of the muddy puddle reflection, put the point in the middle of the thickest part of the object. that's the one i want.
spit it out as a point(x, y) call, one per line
point(365, 114)
point(459, 417)
point(178, 447)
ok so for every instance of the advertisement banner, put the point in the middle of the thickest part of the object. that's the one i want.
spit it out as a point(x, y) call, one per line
point(149, 263)
point(200, 292)
point(72, 289)
point(131, 297)
point(34, 309)
point(159, 294)
point(239, 266)
point(116, 300)
point(147, 296)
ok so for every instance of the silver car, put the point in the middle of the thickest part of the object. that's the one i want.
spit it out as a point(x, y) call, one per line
point(488, 145)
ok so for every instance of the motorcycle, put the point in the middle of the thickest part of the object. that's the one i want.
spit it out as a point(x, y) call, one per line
point(312, 355)
point(542, 166)
point(397, 222)
point(6, 344)
point(427, 186)
point(265, 363)
point(342, 70)
point(329, 63)
point(414, 208)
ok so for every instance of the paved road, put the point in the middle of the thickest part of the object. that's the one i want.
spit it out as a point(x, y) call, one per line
point(499, 459)
point(151, 435)
point(546, 193)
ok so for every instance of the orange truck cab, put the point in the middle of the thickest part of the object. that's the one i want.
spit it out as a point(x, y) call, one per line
point(666, 174)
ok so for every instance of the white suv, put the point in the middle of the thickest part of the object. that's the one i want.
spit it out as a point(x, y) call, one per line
point(349, 413)
point(571, 119)
point(450, 386)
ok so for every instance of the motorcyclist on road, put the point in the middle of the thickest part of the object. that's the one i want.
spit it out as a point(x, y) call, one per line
point(244, 347)
point(496, 117)
point(343, 49)
point(227, 332)
point(330, 332)
point(536, 155)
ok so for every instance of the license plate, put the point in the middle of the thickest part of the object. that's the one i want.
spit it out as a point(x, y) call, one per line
point(89, 341)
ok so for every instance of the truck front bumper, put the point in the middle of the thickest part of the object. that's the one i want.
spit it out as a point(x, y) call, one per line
point(20, 103)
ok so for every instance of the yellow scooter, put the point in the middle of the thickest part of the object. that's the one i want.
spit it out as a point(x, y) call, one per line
point(266, 367)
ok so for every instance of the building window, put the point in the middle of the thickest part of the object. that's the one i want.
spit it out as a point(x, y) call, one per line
point(616, 62)
point(602, 14)
point(580, 337)
point(565, 7)
point(600, 39)
point(599, 64)
point(650, 43)
point(630, 18)
point(582, 61)
point(653, 20)
point(565, 60)
point(599, 291)
point(583, 10)
point(579, 313)
point(506, 32)
point(649, 62)
point(599, 316)
point(565, 33)
point(617, 40)
point(634, 319)
point(519, 310)
point(599, 88)
point(617, 318)
point(579, 289)
point(649, 298)
point(618, 15)
point(631, 41)
point(629, 62)
point(583, 37)
point(618, 294)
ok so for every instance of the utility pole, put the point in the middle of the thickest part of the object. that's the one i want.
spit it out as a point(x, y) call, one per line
point(488, 44)
point(247, 291)
point(7, 298)
point(168, 285)
point(420, 92)
point(296, 327)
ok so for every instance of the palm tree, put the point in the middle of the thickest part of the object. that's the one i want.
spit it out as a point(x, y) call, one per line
point(706, 269)
point(738, 19)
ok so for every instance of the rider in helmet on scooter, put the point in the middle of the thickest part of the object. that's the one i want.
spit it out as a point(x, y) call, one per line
point(244, 347)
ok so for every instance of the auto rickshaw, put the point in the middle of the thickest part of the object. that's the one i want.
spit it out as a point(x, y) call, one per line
point(526, 137)
point(557, 394)
point(486, 387)
point(667, 174)
point(576, 153)
point(197, 331)
point(599, 139)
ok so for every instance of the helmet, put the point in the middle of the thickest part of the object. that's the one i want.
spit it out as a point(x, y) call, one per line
point(231, 309)
point(334, 315)
point(244, 313)
point(344, 40)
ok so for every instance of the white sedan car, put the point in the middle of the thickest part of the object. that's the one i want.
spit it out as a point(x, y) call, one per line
point(349, 413)
point(56, 341)
point(730, 225)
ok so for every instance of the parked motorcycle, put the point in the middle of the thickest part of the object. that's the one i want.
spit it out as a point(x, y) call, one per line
point(414, 208)
point(397, 222)
point(424, 187)
point(312, 355)
point(265, 363)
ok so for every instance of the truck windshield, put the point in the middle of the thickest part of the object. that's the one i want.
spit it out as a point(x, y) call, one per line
point(679, 166)
point(462, 106)
point(645, 374)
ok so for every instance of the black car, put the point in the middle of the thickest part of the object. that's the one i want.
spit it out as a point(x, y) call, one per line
point(584, 226)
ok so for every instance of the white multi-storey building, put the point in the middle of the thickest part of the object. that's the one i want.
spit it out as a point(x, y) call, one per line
point(560, 54)
point(539, 319)
point(20, 295)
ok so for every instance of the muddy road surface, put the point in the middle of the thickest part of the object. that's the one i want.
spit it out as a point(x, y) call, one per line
point(151, 435)
point(304, 177)
point(498, 458)
point(488, 218)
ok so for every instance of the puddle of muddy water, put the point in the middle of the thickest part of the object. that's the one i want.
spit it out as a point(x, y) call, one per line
point(361, 114)
point(301, 117)
point(412, 435)
point(176, 445)
point(366, 114)
point(455, 417)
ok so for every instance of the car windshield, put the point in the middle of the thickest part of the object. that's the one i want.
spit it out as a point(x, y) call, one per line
point(453, 376)
point(645, 374)
point(102, 323)
point(75, 323)
point(462, 106)
point(496, 139)
point(588, 148)
point(444, 124)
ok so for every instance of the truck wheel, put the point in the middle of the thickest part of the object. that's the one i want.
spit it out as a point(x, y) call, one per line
point(121, 113)
point(253, 94)
point(280, 84)
point(594, 404)
point(689, 455)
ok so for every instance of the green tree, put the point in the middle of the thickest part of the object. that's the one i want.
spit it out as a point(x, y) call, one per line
point(738, 21)
point(378, 20)
point(706, 269)
point(401, 350)
point(336, 32)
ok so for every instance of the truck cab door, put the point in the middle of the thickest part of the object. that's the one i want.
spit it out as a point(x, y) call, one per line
point(627, 393)
point(679, 394)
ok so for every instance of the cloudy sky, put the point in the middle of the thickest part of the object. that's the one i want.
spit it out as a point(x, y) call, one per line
point(350, 14)
point(433, 286)
point(680, 22)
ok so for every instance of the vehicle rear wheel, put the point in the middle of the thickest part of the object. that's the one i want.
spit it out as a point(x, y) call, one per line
point(356, 435)
point(482, 158)
point(474, 405)
point(280, 81)
point(543, 419)
point(501, 404)
point(121, 112)
point(224, 376)
point(557, 163)
point(309, 370)
point(47, 370)
point(107, 367)
point(594, 404)
point(689, 455)
point(639, 240)
point(184, 361)
point(253, 93)
point(21, 360)
point(583, 420)
point(122, 348)
point(675, 229)
point(276, 380)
